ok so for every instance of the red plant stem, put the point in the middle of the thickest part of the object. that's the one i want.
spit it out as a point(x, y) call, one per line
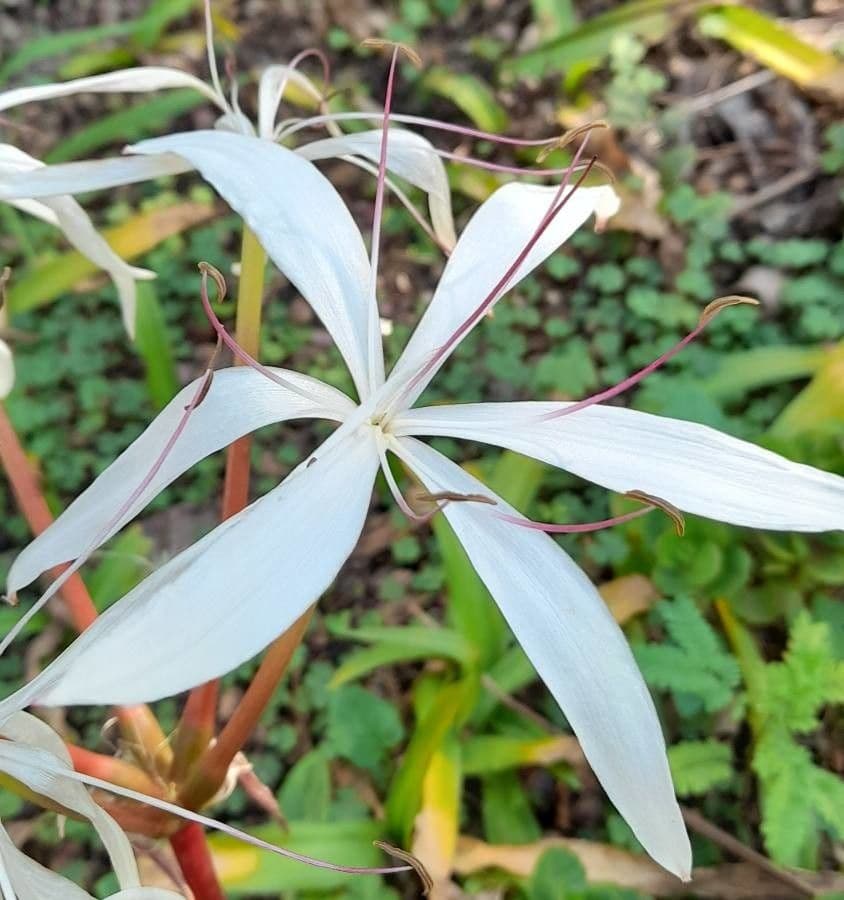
point(31, 502)
point(212, 768)
point(137, 722)
point(110, 768)
point(195, 861)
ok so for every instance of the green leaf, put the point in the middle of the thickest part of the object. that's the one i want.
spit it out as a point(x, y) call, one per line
point(306, 791)
point(506, 811)
point(775, 46)
point(794, 690)
point(693, 662)
point(124, 563)
point(699, 766)
point(362, 727)
point(445, 643)
point(127, 125)
point(470, 94)
point(588, 45)
point(488, 753)
point(247, 871)
point(155, 348)
point(785, 771)
point(558, 875)
point(441, 710)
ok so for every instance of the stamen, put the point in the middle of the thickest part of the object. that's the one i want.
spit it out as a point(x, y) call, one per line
point(569, 136)
point(395, 490)
point(212, 55)
point(267, 118)
point(651, 503)
point(708, 314)
point(669, 509)
point(224, 828)
point(208, 270)
point(406, 119)
point(396, 46)
point(501, 285)
point(373, 334)
point(585, 528)
point(411, 860)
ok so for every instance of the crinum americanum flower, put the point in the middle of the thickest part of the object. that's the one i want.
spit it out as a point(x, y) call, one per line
point(228, 595)
point(34, 756)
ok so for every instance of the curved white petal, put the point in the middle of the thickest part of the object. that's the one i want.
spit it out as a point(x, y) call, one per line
point(489, 245)
point(80, 232)
point(7, 370)
point(579, 651)
point(274, 80)
point(136, 80)
point(88, 175)
point(239, 401)
point(698, 469)
point(410, 156)
point(301, 222)
point(37, 209)
point(226, 597)
point(30, 880)
point(29, 740)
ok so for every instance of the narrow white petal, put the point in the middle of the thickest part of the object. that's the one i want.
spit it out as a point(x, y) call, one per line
point(698, 469)
point(410, 156)
point(88, 175)
point(489, 245)
point(301, 221)
point(137, 80)
point(79, 231)
point(7, 369)
point(30, 880)
point(225, 598)
point(274, 80)
point(29, 740)
point(239, 401)
point(37, 209)
point(579, 651)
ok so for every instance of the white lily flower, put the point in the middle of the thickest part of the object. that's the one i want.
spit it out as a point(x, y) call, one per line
point(34, 755)
point(412, 157)
point(7, 369)
point(226, 597)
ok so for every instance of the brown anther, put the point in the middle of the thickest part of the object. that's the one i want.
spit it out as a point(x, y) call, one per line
point(712, 309)
point(384, 44)
point(669, 509)
point(207, 269)
point(414, 862)
point(5, 275)
point(203, 391)
point(572, 135)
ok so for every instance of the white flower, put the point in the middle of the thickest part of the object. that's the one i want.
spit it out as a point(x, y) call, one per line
point(226, 597)
point(411, 157)
point(34, 755)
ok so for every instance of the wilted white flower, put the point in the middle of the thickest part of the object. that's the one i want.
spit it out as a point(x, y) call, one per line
point(34, 755)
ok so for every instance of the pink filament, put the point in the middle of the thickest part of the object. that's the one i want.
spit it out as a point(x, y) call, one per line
point(628, 382)
point(436, 124)
point(584, 528)
point(501, 285)
point(238, 351)
point(372, 322)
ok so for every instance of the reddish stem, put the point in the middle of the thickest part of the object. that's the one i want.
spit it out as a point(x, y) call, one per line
point(195, 861)
point(31, 502)
point(212, 768)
